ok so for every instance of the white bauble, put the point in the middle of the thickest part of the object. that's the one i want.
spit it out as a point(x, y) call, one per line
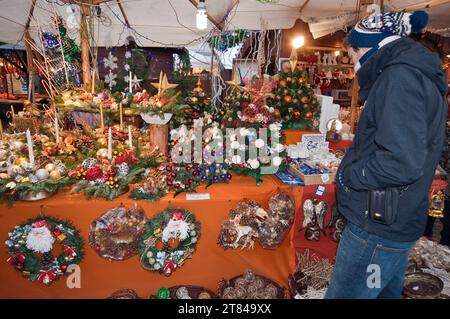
point(55, 175)
point(102, 153)
point(236, 159)
point(235, 145)
point(259, 143)
point(13, 170)
point(41, 174)
point(50, 167)
point(254, 163)
point(277, 161)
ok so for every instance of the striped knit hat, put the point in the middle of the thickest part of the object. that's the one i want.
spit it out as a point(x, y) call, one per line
point(370, 31)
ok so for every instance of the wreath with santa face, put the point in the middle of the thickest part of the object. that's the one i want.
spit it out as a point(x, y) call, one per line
point(169, 239)
point(42, 248)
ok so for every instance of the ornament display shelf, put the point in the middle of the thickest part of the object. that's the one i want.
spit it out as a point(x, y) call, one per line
point(100, 277)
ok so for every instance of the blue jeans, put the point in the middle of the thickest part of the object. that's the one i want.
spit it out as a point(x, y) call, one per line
point(368, 266)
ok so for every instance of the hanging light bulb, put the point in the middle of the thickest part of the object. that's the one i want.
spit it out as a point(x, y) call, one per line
point(201, 18)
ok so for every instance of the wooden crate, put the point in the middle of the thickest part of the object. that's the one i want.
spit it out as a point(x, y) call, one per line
point(316, 179)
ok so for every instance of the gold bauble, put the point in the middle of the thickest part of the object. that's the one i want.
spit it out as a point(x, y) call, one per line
point(102, 141)
point(55, 175)
point(20, 160)
point(50, 167)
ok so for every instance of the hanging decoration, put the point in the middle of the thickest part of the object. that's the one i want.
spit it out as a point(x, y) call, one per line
point(169, 239)
point(115, 234)
point(32, 244)
point(110, 64)
point(228, 39)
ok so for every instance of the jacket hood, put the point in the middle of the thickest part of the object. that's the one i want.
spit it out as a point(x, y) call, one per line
point(402, 51)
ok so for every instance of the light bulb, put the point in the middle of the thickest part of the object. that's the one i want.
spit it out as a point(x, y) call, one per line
point(201, 18)
point(337, 53)
point(298, 42)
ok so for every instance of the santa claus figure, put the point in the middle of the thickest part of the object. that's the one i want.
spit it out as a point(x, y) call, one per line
point(40, 239)
point(177, 227)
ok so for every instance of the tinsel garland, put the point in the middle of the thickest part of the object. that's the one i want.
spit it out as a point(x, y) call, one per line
point(31, 264)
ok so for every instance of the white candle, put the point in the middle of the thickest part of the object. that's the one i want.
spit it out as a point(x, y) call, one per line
point(109, 144)
point(130, 89)
point(56, 128)
point(130, 137)
point(30, 147)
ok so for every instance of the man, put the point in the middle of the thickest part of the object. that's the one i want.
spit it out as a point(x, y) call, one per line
point(383, 181)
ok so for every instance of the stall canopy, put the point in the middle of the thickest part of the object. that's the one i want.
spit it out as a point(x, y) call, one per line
point(172, 22)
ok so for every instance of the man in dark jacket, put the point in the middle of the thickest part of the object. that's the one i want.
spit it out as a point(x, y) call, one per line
point(383, 181)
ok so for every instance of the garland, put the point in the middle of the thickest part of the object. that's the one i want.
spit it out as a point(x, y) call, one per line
point(168, 240)
point(41, 265)
point(228, 39)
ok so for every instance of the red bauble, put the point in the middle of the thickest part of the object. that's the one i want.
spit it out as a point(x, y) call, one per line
point(304, 99)
point(308, 115)
point(177, 185)
point(301, 80)
point(94, 173)
point(288, 99)
point(190, 180)
point(169, 183)
point(299, 91)
point(169, 168)
point(283, 83)
point(188, 168)
point(63, 268)
point(187, 186)
point(173, 174)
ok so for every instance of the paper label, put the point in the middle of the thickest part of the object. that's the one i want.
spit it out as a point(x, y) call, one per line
point(320, 190)
point(325, 178)
point(198, 196)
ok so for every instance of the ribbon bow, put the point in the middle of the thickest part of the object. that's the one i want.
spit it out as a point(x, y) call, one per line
point(70, 251)
point(20, 257)
point(46, 277)
point(169, 266)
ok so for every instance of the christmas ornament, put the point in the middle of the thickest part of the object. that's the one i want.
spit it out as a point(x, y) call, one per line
point(30, 245)
point(114, 235)
point(170, 225)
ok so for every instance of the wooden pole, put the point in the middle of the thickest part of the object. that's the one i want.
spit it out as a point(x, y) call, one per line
point(30, 66)
point(84, 41)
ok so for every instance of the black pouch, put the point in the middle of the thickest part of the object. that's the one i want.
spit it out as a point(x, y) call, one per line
point(383, 205)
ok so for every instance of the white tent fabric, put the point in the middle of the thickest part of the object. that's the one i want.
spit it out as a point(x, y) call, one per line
point(172, 22)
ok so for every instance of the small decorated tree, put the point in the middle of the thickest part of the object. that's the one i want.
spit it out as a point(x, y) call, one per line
point(294, 101)
point(199, 105)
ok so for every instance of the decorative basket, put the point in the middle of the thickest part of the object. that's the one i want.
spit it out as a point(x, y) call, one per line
point(281, 293)
point(21, 124)
point(124, 294)
point(420, 285)
point(31, 197)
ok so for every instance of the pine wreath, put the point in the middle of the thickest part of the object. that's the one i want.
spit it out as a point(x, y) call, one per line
point(31, 245)
point(168, 240)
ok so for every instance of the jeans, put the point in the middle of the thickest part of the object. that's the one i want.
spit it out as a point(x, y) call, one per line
point(352, 276)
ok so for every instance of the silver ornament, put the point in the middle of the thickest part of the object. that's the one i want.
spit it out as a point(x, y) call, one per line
point(88, 163)
point(123, 170)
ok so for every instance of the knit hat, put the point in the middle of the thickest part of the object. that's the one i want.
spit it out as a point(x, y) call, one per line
point(370, 31)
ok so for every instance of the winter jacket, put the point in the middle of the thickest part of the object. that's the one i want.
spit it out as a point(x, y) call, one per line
point(399, 140)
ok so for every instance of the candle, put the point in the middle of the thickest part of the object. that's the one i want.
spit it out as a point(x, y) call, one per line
point(109, 145)
point(102, 123)
point(12, 112)
point(130, 88)
point(30, 147)
point(121, 116)
point(56, 127)
point(93, 81)
point(130, 137)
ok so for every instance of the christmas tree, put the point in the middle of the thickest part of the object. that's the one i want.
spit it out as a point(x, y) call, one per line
point(199, 106)
point(294, 101)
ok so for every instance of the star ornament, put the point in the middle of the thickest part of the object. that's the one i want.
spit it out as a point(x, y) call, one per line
point(163, 84)
point(135, 82)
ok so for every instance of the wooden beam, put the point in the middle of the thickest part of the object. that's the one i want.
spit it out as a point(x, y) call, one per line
point(30, 14)
point(304, 5)
point(424, 5)
point(84, 43)
point(123, 13)
point(30, 65)
point(210, 18)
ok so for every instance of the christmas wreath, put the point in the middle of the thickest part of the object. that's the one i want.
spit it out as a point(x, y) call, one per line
point(168, 240)
point(31, 246)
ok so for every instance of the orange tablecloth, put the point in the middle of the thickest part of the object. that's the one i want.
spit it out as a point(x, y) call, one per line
point(210, 263)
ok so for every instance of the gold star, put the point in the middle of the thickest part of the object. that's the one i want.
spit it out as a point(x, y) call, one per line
point(163, 84)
